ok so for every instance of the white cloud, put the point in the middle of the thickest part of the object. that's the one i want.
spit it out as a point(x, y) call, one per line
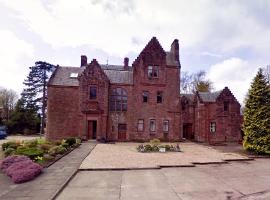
point(13, 53)
point(235, 73)
point(111, 25)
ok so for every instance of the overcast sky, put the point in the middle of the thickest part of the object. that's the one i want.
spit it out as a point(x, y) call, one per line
point(229, 39)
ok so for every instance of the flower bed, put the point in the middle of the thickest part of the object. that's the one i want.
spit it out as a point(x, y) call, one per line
point(40, 150)
point(25, 159)
point(156, 146)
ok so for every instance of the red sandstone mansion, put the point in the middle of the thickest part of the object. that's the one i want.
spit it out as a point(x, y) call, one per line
point(137, 102)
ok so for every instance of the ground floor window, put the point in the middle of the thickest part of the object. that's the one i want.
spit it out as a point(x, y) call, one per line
point(213, 127)
point(152, 125)
point(140, 125)
point(166, 125)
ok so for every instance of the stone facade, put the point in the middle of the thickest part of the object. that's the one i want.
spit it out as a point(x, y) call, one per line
point(211, 117)
point(117, 110)
point(132, 103)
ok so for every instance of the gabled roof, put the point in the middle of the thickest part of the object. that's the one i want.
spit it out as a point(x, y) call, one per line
point(115, 73)
point(209, 96)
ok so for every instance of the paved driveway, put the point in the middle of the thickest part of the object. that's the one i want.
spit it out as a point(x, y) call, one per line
point(236, 180)
point(125, 155)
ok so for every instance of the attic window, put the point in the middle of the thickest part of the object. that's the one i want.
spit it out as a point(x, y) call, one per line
point(73, 75)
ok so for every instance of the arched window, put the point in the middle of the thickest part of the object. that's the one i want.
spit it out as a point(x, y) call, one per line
point(118, 100)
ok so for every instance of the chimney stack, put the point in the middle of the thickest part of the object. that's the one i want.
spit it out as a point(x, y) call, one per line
point(175, 50)
point(83, 60)
point(126, 63)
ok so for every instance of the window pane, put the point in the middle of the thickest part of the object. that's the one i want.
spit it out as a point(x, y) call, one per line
point(145, 96)
point(166, 125)
point(152, 125)
point(93, 92)
point(140, 125)
point(119, 99)
point(159, 97)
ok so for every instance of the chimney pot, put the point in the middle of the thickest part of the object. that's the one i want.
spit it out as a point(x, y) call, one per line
point(126, 63)
point(83, 60)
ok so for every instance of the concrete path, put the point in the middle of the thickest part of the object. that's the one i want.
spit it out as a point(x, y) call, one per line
point(125, 155)
point(236, 180)
point(48, 184)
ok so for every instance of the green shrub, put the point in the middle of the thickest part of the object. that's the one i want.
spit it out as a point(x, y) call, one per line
point(30, 152)
point(30, 143)
point(9, 151)
point(45, 147)
point(66, 145)
point(42, 141)
point(10, 144)
point(155, 148)
point(147, 148)
point(57, 142)
point(78, 141)
point(71, 141)
point(155, 141)
point(57, 150)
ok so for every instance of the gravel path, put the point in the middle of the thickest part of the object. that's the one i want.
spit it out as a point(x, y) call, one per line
point(125, 155)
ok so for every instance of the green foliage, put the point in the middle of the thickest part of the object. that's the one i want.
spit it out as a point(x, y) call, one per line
point(57, 150)
point(155, 141)
point(257, 116)
point(9, 151)
point(71, 141)
point(147, 148)
point(32, 152)
point(10, 144)
point(30, 143)
point(45, 147)
point(23, 120)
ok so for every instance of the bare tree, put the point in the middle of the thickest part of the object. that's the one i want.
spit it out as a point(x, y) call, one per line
point(190, 83)
point(8, 99)
point(266, 71)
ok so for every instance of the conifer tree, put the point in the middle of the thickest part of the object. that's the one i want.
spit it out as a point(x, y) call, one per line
point(34, 95)
point(257, 116)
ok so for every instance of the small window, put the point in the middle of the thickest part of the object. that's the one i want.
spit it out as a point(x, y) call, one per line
point(145, 96)
point(152, 125)
point(73, 75)
point(152, 72)
point(166, 125)
point(93, 92)
point(226, 106)
point(140, 125)
point(159, 97)
point(213, 127)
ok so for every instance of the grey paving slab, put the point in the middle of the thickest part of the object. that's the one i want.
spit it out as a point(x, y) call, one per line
point(236, 180)
point(52, 179)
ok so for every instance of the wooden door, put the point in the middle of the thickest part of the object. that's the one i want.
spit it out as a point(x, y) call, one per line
point(92, 130)
point(122, 132)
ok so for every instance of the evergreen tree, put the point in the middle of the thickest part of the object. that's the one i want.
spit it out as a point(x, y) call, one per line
point(257, 116)
point(23, 120)
point(34, 96)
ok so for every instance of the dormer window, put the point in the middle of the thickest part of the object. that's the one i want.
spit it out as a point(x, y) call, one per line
point(152, 72)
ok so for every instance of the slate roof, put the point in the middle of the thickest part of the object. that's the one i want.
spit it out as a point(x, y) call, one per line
point(190, 97)
point(209, 96)
point(115, 73)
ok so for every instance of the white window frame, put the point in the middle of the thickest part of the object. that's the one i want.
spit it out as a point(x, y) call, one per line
point(213, 127)
point(166, 125)
point(152, 125)
point(140, 125)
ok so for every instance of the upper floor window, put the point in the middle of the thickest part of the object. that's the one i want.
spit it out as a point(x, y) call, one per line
point(145, 96)
point(93, 92)
point(159, 97)
point(166, 125)
point(118, 100)
point(213, 127)
point(152, 72)
point(140, 125)
point(226, 106)
point(152, 125)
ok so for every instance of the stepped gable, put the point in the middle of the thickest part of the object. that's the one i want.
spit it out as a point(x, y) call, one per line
point(152, 51)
